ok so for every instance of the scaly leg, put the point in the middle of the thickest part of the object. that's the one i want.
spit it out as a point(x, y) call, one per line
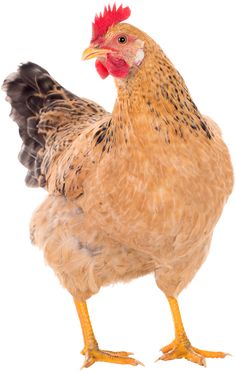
point(181, 346)
point(91, 350)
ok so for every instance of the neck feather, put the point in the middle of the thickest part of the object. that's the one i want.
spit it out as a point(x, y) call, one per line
point(154, 97)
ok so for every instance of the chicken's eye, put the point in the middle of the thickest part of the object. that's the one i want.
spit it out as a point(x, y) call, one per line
point(122, 39)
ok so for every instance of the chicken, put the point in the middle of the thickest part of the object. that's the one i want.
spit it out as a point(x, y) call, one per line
point(131, 192)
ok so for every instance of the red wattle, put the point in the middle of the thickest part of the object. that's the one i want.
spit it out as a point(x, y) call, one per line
point(117, 67)
point(101, 69)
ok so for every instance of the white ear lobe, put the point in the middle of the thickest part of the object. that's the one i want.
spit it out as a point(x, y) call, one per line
point(139, 57)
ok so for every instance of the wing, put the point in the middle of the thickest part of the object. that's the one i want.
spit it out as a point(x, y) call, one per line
point(49, 117)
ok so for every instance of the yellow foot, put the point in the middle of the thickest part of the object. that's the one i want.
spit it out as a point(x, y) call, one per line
point(185, 350)
point(97, 355)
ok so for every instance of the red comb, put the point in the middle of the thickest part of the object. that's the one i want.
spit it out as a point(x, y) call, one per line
point(109, 18)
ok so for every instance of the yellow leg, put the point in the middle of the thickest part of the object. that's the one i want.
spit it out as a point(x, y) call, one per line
point(91, 350)
point(181, 346)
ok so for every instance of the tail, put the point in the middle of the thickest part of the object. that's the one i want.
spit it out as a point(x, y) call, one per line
point(28, 91)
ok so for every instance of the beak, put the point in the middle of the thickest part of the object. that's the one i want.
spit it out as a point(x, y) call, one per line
point(90, 53)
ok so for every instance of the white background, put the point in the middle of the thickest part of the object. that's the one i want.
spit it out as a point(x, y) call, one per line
point(39, 329)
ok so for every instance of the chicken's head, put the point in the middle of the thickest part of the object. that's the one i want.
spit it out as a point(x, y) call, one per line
point(116, 45)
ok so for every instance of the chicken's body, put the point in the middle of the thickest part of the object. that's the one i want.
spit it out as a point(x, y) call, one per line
point(151, 190)
point(133, 192)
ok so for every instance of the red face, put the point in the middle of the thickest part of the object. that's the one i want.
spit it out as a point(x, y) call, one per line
point(116, 55)
point(116, 61)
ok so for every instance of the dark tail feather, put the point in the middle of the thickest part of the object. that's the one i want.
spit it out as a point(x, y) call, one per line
point(27, 91)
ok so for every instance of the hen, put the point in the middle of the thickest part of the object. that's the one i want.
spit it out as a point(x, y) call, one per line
point(129, 193)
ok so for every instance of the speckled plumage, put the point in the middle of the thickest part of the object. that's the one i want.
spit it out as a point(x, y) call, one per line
point(133, 192)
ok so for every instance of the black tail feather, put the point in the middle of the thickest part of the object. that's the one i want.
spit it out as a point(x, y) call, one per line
point(27, 92)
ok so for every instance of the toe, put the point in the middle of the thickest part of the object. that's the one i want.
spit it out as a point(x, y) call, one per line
point(168, 347)
point(210, 354)
point(185, 350)
point(195, 358)
point(187, 354)
point(97, 355)
point(119, 354)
